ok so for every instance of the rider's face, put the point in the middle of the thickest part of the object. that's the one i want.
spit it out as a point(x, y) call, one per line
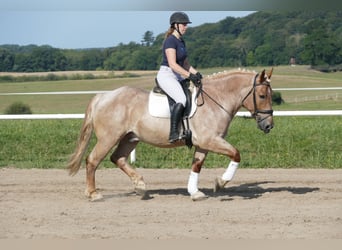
point(182, 27)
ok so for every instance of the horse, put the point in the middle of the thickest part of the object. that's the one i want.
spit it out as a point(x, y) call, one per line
point(120, 120)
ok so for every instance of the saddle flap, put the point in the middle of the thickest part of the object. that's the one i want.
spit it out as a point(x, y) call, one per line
point(158, 104)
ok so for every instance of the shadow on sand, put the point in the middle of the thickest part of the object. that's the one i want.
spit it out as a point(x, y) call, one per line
point(246, 191)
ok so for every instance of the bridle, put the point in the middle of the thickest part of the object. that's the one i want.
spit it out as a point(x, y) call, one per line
point(253, 90)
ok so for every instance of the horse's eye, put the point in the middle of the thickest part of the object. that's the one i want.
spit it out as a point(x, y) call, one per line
point(262, 96)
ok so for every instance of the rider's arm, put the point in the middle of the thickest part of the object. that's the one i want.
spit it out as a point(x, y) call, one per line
point(188, 67)
point(171, 59)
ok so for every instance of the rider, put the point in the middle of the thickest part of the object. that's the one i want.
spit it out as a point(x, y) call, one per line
point(175, 68)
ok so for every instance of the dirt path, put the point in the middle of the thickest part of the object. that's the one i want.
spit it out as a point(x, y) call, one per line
point(266, 203)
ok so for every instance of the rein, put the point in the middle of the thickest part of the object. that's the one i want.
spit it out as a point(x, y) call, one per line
point(201, 91)
point(256, 111)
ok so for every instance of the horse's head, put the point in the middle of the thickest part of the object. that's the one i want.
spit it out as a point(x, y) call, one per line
point(259, 101)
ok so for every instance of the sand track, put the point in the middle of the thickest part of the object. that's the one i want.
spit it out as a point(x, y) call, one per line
point(257, 204)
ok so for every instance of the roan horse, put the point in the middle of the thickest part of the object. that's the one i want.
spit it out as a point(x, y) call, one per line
point(121, 118)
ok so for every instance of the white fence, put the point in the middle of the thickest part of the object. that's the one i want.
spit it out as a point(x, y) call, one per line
point(242, 114)
point(103, 91)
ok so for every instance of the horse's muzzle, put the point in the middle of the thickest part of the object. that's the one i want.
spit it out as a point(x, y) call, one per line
point(265, 123)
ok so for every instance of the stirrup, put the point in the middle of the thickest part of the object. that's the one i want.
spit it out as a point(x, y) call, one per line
point(174, 139)
point(187, 137)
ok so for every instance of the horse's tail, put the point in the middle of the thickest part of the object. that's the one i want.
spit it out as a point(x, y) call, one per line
point(75, 161)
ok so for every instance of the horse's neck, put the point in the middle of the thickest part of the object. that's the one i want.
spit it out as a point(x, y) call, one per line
point(229, 91)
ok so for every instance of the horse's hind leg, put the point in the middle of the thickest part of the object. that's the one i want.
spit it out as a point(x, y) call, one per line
point(120, 156)
point(98, 153)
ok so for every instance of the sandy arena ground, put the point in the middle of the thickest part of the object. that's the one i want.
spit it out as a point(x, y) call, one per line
point(257, 204)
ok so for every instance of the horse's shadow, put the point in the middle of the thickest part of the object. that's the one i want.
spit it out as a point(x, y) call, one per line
point(245, 191)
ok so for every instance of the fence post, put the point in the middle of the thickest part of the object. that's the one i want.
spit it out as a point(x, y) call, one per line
point(133, 156)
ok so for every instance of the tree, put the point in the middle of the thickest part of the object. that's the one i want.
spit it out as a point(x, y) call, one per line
point(46, 58)
point(320, 46)
point(144, 59)
point(23, 63)
point(250, 60)
point(120, 57)
point(276, 40)
point(6, 60)
point(91, 59)
point(264, 55)
point(148, 39)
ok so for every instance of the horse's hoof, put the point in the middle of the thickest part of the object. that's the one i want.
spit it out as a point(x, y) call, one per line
point(139, 187)
point(198, 196)
point(96, 197)
point(219, 184)
point(93, 196)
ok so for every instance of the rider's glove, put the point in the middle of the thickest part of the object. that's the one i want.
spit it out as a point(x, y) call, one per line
point(199, 75)
point(195, 79)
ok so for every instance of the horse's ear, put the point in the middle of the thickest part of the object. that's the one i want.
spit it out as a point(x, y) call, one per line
point(262, 76)
point(270, 73)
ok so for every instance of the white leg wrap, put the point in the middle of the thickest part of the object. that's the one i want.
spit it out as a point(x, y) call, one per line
point(230, 171)
point(192, 183)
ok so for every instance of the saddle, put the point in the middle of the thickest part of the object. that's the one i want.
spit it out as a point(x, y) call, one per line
point(160, 105)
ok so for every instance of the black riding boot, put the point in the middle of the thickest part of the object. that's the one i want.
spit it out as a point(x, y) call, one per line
point(176, 116)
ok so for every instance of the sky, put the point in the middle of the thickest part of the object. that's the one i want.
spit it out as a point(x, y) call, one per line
point(72, 24)
point(72, 28)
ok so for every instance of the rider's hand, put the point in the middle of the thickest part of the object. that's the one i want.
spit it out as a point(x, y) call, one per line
point(199, 75)
point(195, 79)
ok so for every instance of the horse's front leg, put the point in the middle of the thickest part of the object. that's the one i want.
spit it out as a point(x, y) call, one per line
point(221, 146)
point(197, 162)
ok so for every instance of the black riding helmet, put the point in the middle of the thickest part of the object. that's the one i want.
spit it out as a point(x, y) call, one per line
point(179, 17)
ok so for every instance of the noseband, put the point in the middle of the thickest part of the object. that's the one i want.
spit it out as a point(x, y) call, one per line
point(257, 111)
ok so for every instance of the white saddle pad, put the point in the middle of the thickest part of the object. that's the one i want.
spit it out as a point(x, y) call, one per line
point(158, 105)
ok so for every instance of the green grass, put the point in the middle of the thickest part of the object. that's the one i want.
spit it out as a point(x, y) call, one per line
point(308, 142)
point(305, 142)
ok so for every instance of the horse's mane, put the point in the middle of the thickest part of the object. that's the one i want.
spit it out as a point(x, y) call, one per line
point(225, 73)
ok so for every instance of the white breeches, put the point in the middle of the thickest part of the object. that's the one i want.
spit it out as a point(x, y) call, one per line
point(169, 82)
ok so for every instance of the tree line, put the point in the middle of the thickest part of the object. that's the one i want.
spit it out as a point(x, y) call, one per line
point(262, 38)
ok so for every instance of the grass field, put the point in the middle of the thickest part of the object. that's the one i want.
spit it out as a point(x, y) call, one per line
point(283, 77)
point(308, 142)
